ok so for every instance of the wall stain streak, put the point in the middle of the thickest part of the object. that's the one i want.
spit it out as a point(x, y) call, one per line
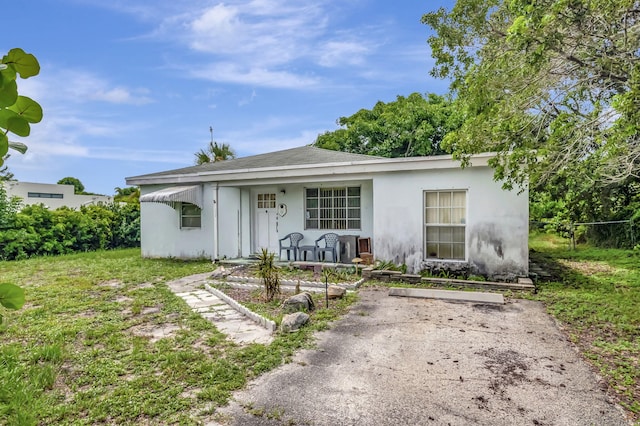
point(495, 251)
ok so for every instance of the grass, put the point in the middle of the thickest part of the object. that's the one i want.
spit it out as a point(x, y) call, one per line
point(595, 293)
point(81, 350)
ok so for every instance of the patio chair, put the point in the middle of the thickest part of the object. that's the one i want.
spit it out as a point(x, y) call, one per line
point(294, 239)
point(330, 243)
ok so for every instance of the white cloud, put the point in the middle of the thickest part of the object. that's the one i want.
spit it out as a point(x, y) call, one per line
point(38, 150)
point(41, 152)
point(339, 53)
point(271, 31)
point(233, 73)
point(80, 87)
point(267, 43)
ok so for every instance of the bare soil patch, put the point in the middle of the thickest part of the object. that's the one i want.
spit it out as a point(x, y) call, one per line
point(588, 268)
point(154, 332)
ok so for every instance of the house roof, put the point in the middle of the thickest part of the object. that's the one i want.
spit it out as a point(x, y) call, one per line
point(304, 155)
point(301, 162)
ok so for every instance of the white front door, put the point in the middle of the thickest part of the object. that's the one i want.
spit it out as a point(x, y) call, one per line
point(266, 222)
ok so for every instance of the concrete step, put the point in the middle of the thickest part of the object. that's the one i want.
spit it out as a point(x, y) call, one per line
point(521, 285)
point(457, 296)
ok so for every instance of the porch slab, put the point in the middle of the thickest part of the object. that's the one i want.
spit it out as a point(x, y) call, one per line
point(459, 296)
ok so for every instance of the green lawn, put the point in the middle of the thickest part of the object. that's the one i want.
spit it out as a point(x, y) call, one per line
point(595, 293)
point(77, 353)
point(80, 351)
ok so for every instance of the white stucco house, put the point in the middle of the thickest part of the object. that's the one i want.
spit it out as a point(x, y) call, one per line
point(420, 211)
point(52, 195)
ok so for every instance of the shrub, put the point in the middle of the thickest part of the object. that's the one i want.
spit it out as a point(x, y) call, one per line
point(268, 271)
point(38, 231)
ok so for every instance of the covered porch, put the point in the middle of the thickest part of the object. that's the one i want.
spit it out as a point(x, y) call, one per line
point(250, 218)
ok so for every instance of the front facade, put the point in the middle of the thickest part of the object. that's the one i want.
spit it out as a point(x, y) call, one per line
point(53, 196)
point(421, 211)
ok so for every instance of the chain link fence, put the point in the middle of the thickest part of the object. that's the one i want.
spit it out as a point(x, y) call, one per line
point(612, 233)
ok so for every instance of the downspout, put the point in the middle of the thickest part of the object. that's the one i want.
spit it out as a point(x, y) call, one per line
point(216, 224)
point(240, 223)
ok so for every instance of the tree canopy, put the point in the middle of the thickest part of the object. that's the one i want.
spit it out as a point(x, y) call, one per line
point(409, 126)
point(129, 194)
point(214, 152)
point(78, 187)
point(549, 85)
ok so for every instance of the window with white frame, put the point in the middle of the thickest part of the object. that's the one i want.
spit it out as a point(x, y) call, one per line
point(445, 216)
point(190, 216)
point(266, 201)
point(332, 208)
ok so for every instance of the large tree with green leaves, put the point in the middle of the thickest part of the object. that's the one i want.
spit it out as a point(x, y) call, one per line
point(16, 111)
point(78, 187)
point(409, 126)
point(214, 152)
point(16, 114)
point(547, 84)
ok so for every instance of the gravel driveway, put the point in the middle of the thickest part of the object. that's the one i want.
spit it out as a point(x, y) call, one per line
point(402, 361)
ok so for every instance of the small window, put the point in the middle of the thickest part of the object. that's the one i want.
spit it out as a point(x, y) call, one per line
point(44, 195)
point(190, 216)
point(266, 201)
point(445, 223)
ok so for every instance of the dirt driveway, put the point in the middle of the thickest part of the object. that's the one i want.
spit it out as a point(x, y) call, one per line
point(401, 361)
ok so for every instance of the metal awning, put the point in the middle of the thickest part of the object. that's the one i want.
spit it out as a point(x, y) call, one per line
point(175, 194)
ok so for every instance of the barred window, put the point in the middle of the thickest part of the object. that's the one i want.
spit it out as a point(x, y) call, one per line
point(445, 224)
point(332, 208)
point(190, 216)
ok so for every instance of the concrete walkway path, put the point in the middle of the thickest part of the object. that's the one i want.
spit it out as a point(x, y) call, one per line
point(235, 325)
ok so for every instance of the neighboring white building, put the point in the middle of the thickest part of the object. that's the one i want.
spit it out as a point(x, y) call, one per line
point(52, 195)
point(421, 211)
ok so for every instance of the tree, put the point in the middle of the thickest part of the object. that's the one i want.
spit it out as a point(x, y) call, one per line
point(78, 187)
point(214, 152)
point(16, 114)
point(130, 194)
point(546, 84)
point(5, 174)
point(409, 126)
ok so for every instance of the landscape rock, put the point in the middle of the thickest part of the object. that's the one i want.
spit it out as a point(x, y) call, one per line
point(302, 302)
point(336, 292)
point(293, 322)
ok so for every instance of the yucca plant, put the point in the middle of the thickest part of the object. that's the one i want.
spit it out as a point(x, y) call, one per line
point(268, 271)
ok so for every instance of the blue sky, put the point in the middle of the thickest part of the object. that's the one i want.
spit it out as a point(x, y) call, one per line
point(130, 87)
